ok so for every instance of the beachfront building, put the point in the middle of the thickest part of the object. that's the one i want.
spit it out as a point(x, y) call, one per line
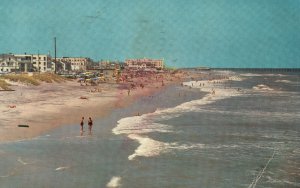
point(40, 62)
point(77, 63)
point(62, 64)
point(104, 64)
point(25, 62)
point(111, 64)
point(51, 67)
point(33, 62)
point(145, 63)
point(9, 63)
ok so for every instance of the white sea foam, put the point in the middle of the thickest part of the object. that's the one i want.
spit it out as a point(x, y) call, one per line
point(297, 151)
point(61, 168)
point(287, 82)
point(5, 176)
point(139, 125)
point(287, 116)
point(262, 87)
point(22, 162)
point(135, 127)
point(284, 81)
point(252, 74)
point(149, 147)
point(114, 182)
point(224, 71)
point(11, 173)
point(8, 175)
point(236, 78)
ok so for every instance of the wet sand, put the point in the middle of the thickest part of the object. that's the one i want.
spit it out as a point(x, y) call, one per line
point(50, 105)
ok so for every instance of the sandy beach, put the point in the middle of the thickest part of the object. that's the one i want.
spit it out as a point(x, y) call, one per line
point(207, 121)
point(50, 105)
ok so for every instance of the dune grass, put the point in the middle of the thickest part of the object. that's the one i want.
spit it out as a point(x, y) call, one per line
point(48, 77)
point(4, 85)
point(23, 78)
point(35, 79)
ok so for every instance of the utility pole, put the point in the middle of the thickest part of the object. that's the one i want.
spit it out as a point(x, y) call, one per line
point(55, 67)
point(39, 62)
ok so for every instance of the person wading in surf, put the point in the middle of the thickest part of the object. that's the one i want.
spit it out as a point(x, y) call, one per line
point(81, 124)
point(90, 123)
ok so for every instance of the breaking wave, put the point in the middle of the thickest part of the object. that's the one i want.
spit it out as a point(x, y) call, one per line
point(137, 126)
point(262, 87)
point(114, 182)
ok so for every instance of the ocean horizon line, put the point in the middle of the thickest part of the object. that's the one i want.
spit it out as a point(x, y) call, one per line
point(244, 69)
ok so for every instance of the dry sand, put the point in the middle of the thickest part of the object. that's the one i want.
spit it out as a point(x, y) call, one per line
point(50, 105)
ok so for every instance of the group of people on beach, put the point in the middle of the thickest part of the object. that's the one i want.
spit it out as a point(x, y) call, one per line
point(90, 124)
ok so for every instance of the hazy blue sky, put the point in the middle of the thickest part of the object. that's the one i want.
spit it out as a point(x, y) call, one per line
point(217, 33)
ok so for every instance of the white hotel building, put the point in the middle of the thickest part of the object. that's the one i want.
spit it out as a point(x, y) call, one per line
point(39, 62)
point(77, 63)
point(33, 62)
point(145, 63)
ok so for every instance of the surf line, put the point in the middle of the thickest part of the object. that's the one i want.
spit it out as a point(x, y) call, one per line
point(254, 182)
point(22, 162)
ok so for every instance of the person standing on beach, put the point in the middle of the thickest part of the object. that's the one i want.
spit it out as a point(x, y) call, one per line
point(90, 123)
point(81, 124)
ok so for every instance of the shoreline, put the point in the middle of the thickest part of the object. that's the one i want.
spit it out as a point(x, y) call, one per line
point(134, 129)
point(52, 105)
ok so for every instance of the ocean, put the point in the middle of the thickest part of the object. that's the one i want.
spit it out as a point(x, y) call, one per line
point(247, 134)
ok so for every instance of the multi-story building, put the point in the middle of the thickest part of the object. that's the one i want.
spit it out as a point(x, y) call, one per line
point(33, 62)
point(111, 64)
point(145, 63)
point(104, 64)
point(40, 62)
point(51, 66)
point(77, 63)
point(9, 63)
point(25, 62)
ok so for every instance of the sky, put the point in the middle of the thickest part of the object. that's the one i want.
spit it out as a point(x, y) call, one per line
point(185, 33)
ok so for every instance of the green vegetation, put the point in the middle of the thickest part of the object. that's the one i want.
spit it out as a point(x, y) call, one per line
point(4, 85)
